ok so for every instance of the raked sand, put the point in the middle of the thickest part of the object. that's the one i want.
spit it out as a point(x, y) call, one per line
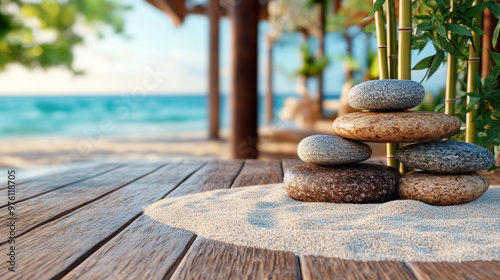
point(403, 230)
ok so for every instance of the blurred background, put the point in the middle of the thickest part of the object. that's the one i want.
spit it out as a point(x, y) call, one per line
point(85, 80)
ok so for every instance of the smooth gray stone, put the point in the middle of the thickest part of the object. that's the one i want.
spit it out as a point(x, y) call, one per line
point(446, 157)
point(332, 150)
point(386, 95)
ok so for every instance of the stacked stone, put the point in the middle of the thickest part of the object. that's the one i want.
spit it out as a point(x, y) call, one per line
point(332, 174)
point(449, 172)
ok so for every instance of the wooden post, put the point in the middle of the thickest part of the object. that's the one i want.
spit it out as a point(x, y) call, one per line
point(320, 53)
point(245, 20)
point(489, 24)
point(213, 69)
point(269, 86)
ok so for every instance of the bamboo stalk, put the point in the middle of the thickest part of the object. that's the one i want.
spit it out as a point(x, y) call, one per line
point(392, 47)
point(474, 61)
point(381, 44)
point(404, 48)
point(392, 60)
point(451, 75)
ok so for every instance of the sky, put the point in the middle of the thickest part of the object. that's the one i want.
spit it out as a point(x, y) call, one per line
point(177, 57)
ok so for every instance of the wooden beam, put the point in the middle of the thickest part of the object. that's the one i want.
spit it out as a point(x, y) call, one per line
point(269, 86)
point(213, 71)
point(176, 10)
point(245, 20)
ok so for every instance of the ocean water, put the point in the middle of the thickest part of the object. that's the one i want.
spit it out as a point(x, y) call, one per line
point(74, 116)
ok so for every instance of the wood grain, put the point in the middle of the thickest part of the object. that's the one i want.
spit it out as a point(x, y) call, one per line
point(287, 163)
point(453, 271)
point(209, 259)
point(314, 267)
point(40, 209)
point(52, 181)
point(148, 249)
point(257, 172)
point(55, 248)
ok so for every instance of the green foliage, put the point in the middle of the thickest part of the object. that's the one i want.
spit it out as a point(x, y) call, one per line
point(433, 24)
point(485, 106)
point(311, 65)
point(44, 33)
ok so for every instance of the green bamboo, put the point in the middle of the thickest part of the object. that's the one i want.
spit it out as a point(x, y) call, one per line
point(451, 75)
point(474, 61)
point(381, 44)
point(404, 48)
point(392, 47)
point(392, 60)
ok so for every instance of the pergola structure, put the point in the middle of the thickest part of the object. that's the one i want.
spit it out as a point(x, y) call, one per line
point(245, 16)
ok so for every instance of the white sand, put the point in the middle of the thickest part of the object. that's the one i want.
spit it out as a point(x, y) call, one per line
point(404, 230)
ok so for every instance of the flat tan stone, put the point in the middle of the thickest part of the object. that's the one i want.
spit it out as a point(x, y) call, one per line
point(396, 127)
point(442, 189)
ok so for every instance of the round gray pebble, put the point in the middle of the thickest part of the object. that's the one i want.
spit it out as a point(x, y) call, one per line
point(386, 95)
point(446, 157)
point(332, 150)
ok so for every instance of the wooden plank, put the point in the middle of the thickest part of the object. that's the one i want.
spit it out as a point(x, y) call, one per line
point(39, 185)
point(216, 260)
point(314, 267)
point(55, 248)
point(288, 163)
point(452, 271)
point(40, 209)
point(209, 259)
point(257, 172)
point(146, 239)
point(245, 22)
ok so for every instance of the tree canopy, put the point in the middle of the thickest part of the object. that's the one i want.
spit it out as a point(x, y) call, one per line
point(44, 33)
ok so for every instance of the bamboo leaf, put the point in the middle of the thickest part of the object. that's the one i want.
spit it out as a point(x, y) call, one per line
point(439, 108)
point(477, 9)
point(457, 29)
point(424, 63)
point(495, 56)
point(370, 28)
point(441, 30)
point(495, 9)
point(376, 6)
point(477, 29)
point(424, 27)
point(477, 82)
point(441, 6)
point(495, 35)
point(436, 62)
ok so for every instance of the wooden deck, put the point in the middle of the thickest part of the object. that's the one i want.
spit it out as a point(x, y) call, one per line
point(88, 224)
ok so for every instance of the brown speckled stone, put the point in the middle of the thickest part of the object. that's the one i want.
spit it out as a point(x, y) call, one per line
point(442, 189)
point(332, 150)
point(357, 183)
point(396, 127)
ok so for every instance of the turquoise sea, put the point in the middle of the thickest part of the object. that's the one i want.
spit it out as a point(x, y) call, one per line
point(73, 116)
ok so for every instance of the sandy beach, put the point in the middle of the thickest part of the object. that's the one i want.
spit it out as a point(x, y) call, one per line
point(39, 151)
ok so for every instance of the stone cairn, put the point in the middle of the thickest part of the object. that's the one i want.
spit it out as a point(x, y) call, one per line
point(332, 172)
